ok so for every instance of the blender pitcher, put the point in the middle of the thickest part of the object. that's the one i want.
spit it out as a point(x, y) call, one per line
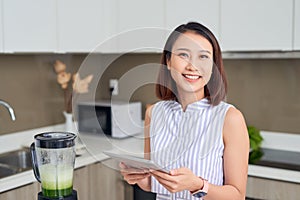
point(53, 159)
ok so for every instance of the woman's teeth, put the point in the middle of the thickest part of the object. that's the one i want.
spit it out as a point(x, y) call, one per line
point(193, 77)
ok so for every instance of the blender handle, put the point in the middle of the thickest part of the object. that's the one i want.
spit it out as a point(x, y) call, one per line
point(34, 162)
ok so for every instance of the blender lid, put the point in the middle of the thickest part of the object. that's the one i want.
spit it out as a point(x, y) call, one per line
point(55, 140)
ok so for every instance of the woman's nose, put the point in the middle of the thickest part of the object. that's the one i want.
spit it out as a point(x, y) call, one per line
point(192, 65)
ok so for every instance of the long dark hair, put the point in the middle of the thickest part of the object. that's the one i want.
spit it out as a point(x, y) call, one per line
point(216, 89)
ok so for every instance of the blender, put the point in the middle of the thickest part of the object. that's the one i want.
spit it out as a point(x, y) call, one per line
point(53, 158)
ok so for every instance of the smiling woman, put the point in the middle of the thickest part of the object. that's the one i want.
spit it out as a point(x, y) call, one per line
point(202, 140)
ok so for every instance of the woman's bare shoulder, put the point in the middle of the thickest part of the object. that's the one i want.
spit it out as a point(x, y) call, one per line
point(234, 124)
point(149, 108)
point(234, 115)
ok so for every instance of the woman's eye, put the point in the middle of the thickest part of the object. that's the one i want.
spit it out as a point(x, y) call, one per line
point(204, 57)
point(183, 55)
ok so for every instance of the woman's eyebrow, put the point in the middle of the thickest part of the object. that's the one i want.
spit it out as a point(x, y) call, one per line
point(183, 49)
point(205, 51)
point(186, 49)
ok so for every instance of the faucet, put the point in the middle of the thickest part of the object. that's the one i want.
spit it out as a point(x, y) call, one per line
point(9, 108)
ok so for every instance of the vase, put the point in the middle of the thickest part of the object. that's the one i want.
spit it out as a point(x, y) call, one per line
point(69, 124)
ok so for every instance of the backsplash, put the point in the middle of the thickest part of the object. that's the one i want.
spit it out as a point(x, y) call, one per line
point(267, 91)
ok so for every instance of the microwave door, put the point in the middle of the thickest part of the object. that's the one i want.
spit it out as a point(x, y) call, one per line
point(93, 119)
point(104, 119)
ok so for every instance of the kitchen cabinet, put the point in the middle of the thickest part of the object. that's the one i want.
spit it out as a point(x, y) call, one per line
point(94, 181)
point(260, 188)
point(297, 25)
point(29, 26)
point(205, 12)
point(97, 181)
point(140, 25)
point(81, 182)
point(256, 25)
point(1, 27)
point(27, 192)
point(80, 25)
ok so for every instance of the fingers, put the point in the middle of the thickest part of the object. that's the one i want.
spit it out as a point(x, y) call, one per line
point(180, 171)
point(169, 184)
point(135, 178)
point(175, 181)
point(133, 175)
point(163, 178)
point(122, 165)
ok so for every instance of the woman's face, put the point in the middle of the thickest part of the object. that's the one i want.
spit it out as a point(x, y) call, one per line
point(191, 63)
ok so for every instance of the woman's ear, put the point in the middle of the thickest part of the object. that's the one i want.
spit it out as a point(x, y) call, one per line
point(168, 64)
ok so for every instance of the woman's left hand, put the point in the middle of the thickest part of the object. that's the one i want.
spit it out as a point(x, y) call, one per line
point(178, 180)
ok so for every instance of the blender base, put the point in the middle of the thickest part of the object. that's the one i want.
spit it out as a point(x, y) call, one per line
point(73, 196)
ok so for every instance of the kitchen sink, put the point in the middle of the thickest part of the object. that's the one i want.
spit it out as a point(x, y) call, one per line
point(15, 162)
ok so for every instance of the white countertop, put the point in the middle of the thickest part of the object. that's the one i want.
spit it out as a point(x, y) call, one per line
point(96, 144)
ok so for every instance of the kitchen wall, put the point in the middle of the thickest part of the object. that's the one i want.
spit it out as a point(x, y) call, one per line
point(267, 91)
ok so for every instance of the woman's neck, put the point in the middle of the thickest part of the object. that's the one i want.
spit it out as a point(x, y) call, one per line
point(189, 98)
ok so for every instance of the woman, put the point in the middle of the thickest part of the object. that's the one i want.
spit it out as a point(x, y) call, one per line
point(192, 132)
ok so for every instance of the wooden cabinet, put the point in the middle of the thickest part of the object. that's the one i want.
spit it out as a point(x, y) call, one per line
point(27, 192)
point(256, 25)
point(297, 25)
point(81, 182)
point(97, 181)
point(205, 12)
point(80, 25)
point(260, 188)
point(29, 26)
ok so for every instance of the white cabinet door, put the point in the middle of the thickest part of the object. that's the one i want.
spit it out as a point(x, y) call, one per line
point(141, 25)
point(256, 25)
point(297, 25)
point(202, 11)
point(29, 26)
point(80, 25)
point(1, 27)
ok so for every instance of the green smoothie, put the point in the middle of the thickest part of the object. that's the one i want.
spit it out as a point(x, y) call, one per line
point(57, 181)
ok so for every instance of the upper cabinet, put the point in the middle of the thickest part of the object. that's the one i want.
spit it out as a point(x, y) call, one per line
point(1, 28)
point(256, 25)
point(140, 25)
point(297, 25)
point(29, 26)
point(206, 12)
point(79, 25)
point(118, 26)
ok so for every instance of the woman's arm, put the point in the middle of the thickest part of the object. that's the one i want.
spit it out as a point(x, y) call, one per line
point(147, 149)
point(236, 152)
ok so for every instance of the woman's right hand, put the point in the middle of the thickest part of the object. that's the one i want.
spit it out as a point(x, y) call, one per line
point(136, 176)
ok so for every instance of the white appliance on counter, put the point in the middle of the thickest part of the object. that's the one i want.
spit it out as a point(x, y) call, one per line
point(114, 118)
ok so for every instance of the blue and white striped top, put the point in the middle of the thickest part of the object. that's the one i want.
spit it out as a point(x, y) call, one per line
point(191, 139)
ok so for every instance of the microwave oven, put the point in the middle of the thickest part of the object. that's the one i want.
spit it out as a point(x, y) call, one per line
point(116, 119)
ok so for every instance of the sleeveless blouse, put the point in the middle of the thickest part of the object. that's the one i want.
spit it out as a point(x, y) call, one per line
point(191, 139)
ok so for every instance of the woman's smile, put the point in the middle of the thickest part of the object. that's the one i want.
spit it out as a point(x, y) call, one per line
point(191, 77)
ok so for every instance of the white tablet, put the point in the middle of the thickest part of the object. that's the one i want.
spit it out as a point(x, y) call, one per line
point(136, 162)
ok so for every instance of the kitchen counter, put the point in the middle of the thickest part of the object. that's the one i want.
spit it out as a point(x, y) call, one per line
point(96, 144)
